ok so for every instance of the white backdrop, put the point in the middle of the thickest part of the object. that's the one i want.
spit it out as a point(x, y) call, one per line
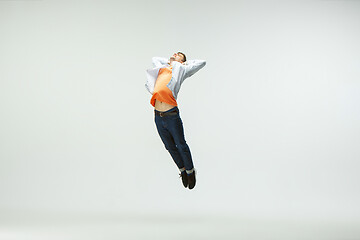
point(272, 120)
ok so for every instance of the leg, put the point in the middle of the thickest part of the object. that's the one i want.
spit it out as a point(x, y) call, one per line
point(169, 142)
point(175, 127)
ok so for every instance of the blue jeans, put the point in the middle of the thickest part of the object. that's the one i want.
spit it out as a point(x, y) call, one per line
point(171, 131)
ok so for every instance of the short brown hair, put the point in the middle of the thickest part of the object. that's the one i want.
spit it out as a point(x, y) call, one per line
point(184, 57)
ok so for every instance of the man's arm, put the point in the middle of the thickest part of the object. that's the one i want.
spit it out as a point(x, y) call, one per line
point(158, 61)
point(193, 66)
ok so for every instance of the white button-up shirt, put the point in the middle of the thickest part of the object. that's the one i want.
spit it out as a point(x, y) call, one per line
point(179, 73)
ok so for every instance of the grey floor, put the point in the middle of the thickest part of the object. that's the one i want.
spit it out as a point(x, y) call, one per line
point(150, 226)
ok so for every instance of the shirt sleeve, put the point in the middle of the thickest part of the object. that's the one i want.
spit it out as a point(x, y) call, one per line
point(158, 61)
point(193, 66)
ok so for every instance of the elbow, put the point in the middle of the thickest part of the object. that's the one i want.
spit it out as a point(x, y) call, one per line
point(202, 64)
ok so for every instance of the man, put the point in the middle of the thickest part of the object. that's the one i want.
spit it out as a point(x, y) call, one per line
point(164, 82)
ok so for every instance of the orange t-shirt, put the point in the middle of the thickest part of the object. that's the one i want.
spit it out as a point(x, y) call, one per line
point(161, 91)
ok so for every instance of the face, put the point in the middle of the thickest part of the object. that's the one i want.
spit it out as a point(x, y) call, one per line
point(177, 57)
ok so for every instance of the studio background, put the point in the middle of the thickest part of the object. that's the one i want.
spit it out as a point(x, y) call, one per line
point(272, 120)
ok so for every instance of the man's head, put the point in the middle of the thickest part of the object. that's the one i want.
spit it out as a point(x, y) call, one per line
point(179, 57)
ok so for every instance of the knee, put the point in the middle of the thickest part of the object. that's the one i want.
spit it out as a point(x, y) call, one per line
point(183, 147)
point(170, 147)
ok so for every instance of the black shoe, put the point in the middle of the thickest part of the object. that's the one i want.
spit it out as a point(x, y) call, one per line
point(184, 178)
point(191, 180)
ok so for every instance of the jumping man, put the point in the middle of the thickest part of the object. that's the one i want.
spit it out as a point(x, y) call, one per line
point(164, 82)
